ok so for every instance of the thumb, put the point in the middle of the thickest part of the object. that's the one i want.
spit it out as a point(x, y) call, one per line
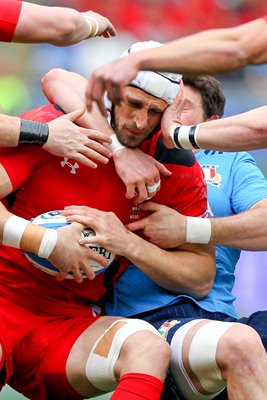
point(149, 206)
point(74, 115)
point(162, 169)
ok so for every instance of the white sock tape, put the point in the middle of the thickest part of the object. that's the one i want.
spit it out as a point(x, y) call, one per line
point(198, 230)
point(48, 243)
point(115, 145)
point(13, 231)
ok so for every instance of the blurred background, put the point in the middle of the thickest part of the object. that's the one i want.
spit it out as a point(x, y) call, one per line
point(22, 67)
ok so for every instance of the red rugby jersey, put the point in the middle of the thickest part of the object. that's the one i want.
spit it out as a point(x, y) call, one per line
point(45, 182)
point(9, 15)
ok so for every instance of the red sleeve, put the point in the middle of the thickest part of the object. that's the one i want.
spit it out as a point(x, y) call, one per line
point(265, 17)
point(9, 15)
point(43, 114)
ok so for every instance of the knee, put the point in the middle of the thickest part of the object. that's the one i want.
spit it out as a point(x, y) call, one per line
point(239, 346)
point(147, 348)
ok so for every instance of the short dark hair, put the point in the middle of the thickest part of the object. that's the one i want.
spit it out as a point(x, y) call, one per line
point(210, 90)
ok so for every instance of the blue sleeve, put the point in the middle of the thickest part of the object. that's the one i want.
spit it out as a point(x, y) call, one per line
point(248, 183)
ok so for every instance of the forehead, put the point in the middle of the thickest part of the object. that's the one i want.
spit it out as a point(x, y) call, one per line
point(135, 94)
point(192, 95)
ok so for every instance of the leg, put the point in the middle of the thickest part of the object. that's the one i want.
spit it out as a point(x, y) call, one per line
point(119, 350)
point(207, 355)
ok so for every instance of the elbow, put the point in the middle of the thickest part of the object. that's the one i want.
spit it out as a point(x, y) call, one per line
point(47, 82)
point(203, 289)
point(236, 56)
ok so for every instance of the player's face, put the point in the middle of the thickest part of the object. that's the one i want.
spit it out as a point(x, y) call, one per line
point(193, 112)
point(137, 115)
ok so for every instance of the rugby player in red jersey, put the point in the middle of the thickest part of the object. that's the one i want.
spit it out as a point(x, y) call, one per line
point(48, 329)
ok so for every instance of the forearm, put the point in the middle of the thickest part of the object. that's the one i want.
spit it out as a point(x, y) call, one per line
point(247, 131)
point(67, 89)
point(55, 25)
point(209, 52)
point(190, 270)
point(9, 131)
point(245, 231)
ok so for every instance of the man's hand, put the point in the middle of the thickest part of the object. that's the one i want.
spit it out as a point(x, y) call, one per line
point(110, 233)
point(165, 227)
point(104, 26)
point(66, 139)
point(110, 78)
point(69, 256)
point(139, 172)
point(171, 116)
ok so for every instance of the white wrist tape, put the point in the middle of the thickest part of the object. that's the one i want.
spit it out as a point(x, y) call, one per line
point(184, 137)
point(88, 19)
point(115, 145)
point(198, 230)
point(13, 231)
point(48, 243)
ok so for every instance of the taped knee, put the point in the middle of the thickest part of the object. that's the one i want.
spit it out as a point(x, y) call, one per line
point(199, 351)
point(106, 351)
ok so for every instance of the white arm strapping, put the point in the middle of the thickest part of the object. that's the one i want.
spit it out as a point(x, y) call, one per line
point(13, 231)
point(48, 243)
point(115, 145)
point(198, 230)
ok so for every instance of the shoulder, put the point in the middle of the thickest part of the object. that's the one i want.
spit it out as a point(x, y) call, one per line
point(44, 113)
point(184, 158)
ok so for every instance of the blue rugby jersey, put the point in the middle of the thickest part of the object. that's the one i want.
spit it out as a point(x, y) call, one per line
point(234, 184)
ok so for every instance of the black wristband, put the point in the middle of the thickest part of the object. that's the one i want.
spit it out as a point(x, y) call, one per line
point(32, 132)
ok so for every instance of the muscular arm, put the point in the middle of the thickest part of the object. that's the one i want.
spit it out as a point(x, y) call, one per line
point(246, 131)
point(9, 130)
point(207, 52)
point(58, 25)
point(245, 231)
point(189, 269)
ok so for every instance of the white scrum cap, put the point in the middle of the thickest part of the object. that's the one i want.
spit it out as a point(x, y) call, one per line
point(164, 85)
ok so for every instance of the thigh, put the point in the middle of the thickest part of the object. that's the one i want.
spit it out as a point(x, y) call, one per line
point(15, 324)
point(39, 360)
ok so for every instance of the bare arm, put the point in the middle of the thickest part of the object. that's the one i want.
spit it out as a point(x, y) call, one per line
point(167, 228)
point(189, 270)
point(246, 131)
point(207, 52)
point(9, 130)
point(83, 145)
point(58, 25)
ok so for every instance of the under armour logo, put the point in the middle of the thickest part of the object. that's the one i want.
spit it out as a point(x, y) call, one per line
point(73, 167)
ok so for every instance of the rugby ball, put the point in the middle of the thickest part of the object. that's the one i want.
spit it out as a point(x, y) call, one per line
point(54, 220)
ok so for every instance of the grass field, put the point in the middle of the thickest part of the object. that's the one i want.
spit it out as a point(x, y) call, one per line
point(9, 394)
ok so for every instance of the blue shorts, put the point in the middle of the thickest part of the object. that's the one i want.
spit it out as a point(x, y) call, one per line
point(187, 310)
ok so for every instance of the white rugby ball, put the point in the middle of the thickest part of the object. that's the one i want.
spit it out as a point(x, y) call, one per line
point(54, 220)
